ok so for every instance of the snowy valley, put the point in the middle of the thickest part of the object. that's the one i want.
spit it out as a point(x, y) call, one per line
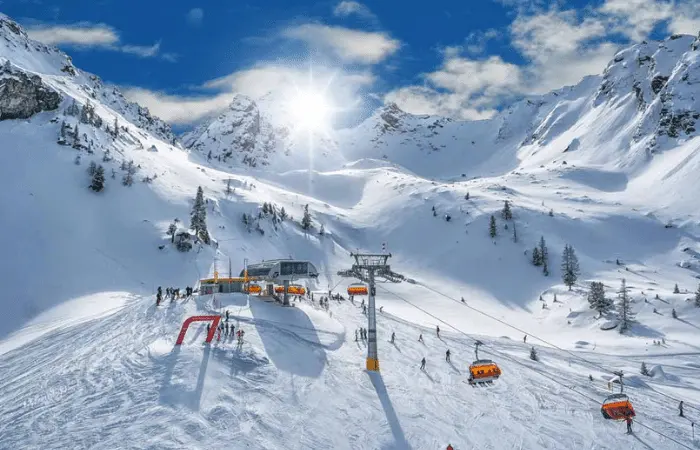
point(607, 167)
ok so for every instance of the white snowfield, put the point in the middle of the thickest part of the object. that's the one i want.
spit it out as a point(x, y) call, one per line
point(88, 361)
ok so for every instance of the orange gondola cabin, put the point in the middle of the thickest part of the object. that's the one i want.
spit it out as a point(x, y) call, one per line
point(357, 289)
point(617, 407)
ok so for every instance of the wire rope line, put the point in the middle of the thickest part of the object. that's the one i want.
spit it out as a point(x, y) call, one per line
point(515, 361)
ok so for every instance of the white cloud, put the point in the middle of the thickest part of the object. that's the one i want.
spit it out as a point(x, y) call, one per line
point(423, 100)
point(85, 35)
point(347, 8)
point(257, 82)
point(347, 44)
point(81, 34)
point(178, 109)
point(143, 51)
point(195, 16)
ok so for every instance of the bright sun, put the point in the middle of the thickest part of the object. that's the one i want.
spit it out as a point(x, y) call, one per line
point(310, 110)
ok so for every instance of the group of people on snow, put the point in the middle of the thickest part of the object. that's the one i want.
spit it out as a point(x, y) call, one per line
point(173, 293)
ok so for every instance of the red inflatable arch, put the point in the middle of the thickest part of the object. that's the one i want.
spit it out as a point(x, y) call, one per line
point(214, 323)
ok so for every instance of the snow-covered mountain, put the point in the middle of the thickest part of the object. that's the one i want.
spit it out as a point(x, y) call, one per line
point(87, 360)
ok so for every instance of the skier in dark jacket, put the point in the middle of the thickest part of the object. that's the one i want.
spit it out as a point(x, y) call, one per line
point(437, 330)
point(680, 409)
point(420, 337)
point(422, 364)
point(393, 335)
point(628, 419)
point(447, 355)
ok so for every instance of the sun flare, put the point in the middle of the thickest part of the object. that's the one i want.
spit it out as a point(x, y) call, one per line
point(310, 110)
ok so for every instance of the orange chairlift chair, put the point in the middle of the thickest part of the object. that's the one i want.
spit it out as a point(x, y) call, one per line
point(483, 371)
point(617, 406)
point(357, 289)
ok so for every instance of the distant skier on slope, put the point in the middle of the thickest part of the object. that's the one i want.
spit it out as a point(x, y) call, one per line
point(393, 335)
point(680, 409)
point(437, 330)
point(525, 338)
point(420, 337)
point(628, 419)
point(447, 355)
point(355, 335)
point(422, 364)
point(381, 309)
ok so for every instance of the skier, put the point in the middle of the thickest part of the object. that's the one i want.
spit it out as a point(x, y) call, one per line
point(355, 335)
point(437, 329)
point(364, 309)
point(463, 300)
point(680, 409)
point(449, 447)
point(422, 364)
point(227, 315)
point(158, 299)
point(363, 302)
point(420, 337)
point(231, 330)
point(393, 335)
point(447, 355)
point(226, 329)
point(628, 419)
point(525, 338)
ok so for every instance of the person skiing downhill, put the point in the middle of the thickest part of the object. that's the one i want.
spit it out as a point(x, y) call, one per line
point(525, 338)
point(437, 330)
point(447, 355)
point(355, 335)
point(422, 364)
point(393, 335)
point(628, 419)
point(420, 337)
point(680, 409)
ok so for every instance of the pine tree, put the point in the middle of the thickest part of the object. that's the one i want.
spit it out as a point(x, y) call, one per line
point(306, 220)
point(515, 234)
point(85, 113)
point(128, 178)
point(63, 131)
point(98, 179)
point(114, 174)
point(643, 370)
point(624, 308)
point(676, 290)
point(116, 127)
point(674, 314)
point(77, 159)
point(209, 156)
point(697, 297)
point(92, 168)
point(76, 137)
point(123, 165)
point(283, 216)
point(543, 249)
point(551, 213)
point(322, 231)
point(198, 216)
point(492, 227)
point(570, 269)
point(107, 156)
point(228, 187)
point(506, 213)
point(597, 299)
point(466, 197)
point(536, 259)
point(533, 354)
point(545, 268)
point(172, 229)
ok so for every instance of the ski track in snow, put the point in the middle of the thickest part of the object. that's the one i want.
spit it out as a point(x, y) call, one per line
point(122, 378)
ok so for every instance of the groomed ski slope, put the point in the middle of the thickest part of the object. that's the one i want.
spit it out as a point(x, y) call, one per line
point(298, 382)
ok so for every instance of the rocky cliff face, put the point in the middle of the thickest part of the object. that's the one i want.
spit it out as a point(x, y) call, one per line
point(33, 70)
point(239, 135)
point(23, 95)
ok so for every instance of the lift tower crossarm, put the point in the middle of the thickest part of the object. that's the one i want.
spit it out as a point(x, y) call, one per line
point(368, 266)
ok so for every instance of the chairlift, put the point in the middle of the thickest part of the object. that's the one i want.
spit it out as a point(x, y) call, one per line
point(482, 371)
point(617, 406)
point(358, 289)
point(253, 289)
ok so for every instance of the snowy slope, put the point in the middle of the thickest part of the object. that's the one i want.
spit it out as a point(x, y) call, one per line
point(80, 338)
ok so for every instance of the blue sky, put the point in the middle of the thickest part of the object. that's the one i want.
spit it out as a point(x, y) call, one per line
point(459, 58)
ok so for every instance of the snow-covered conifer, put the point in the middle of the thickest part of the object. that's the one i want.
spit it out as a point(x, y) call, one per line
point(492, 226)
point(570, 269)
